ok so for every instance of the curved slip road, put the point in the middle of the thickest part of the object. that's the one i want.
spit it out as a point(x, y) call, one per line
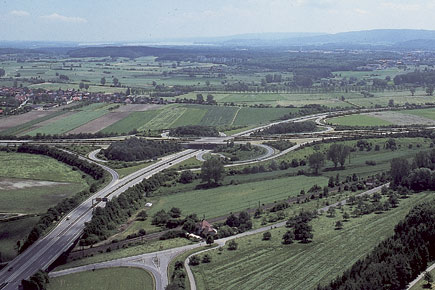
point(93, 156)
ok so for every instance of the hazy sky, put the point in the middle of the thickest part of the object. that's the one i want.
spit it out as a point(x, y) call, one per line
point(142, 20)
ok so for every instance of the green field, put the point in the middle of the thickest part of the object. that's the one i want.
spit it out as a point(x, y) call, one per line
point(248, 116)
point(105, 279)
point(425, 113)
point(358, 121)
point(28, 166)
point(73, 121)
point(225, 199)
point(258, 264)
point(13, 231)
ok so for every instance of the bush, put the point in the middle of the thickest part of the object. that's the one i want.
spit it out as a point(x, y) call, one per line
point(232, 245)
point(194, 260)
point(267, 236)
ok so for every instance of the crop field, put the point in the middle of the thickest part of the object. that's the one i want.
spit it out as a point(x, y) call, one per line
point(134, 121)
point(19, 123)
point(248, 116)
point(70, 122)
point(361, 120)
point(105, 279)
point(385, 118)
point(225, 199)
point(425, 113)
point(172, 116)
point(258, 264)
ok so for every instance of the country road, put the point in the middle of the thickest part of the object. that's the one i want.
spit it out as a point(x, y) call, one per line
point(157, 262)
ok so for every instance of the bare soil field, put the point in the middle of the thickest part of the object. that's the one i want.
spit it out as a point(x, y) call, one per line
point(99, 124)
point(13, 121)
point(401, 118)
point(137, 107)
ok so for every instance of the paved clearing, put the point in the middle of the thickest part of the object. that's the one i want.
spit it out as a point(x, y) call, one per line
point(401, 118)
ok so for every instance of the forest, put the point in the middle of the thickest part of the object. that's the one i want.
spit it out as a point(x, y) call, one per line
point(286, 128)
point(136, 149)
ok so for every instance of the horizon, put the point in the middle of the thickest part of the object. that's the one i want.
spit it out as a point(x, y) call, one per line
point(115, 21)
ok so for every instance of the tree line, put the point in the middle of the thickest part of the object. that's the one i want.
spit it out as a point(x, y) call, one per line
point(399, 259)
point(119, 209)
point(135, 149)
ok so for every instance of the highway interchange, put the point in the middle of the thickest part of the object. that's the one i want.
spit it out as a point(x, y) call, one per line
point(47, 249)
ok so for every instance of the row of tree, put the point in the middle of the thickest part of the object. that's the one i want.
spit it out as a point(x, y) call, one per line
point(119, 209)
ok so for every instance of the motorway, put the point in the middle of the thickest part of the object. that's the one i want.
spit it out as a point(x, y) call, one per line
point(47, 249)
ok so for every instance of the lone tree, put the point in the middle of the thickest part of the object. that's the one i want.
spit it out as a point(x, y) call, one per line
point(212, 171)
point(232, 245)
point(303, 232)
point(267, 236)
point(338, 225)
point(316, 161)
point(103, 81)
point(186, 176)
point(338, 153)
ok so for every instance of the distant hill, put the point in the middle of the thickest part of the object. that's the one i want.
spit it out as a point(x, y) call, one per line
point(379, 37)
point(119, 51)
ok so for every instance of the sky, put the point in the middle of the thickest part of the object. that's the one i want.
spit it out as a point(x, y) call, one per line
point(147, 20)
